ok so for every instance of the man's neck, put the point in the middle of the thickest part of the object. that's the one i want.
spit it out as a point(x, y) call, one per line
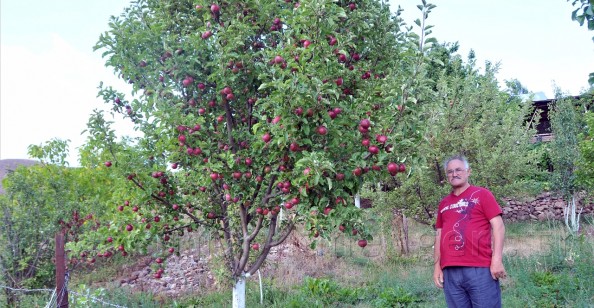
point(459, 190)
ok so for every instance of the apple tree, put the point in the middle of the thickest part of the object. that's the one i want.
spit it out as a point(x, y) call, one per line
point(247, 109)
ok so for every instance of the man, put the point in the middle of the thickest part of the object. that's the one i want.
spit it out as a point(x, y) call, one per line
point(468, 242)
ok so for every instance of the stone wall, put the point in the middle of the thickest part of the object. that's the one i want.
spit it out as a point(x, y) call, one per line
point(542, 207)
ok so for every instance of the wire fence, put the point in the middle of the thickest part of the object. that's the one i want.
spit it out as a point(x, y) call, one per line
point(78, 297)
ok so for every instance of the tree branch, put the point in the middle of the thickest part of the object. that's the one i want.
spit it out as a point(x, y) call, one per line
point(230, 126)
point(288, 229)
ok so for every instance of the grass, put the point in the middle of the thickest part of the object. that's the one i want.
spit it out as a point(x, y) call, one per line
point(546, 268)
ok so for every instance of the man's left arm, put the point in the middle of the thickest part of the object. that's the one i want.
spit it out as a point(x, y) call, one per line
point(498, 231)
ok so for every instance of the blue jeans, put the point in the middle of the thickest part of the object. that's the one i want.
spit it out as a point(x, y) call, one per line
point(470, 287)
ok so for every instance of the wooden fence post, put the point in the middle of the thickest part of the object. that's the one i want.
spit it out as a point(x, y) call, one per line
point(61, 288)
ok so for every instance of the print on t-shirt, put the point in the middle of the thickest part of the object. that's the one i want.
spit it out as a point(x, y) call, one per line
point(464, 208)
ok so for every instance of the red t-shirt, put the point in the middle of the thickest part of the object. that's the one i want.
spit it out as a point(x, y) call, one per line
point(465, 228)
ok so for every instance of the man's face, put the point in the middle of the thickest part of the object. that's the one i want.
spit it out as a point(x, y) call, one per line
point(457, 173)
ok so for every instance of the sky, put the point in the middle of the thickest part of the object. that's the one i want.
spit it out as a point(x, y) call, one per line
point(49, 73)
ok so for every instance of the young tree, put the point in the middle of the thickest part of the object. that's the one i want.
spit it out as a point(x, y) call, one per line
point(465, 112)
point(567, 123)
point(247, 109)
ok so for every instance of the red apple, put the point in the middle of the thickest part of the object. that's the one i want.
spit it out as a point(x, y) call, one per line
point(365, 123)
point(322, 130)
point(294, 147)
point(373, 149)
point(266, 137)
point(362, 243)
point(332, 41)
point(206, 34)
point(215, 9)
point(392, 168)
point(255, 246)
point(129, 227)
point(332, 114)
point(108, 163)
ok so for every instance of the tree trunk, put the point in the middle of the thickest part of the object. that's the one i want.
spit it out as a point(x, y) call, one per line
point(239, 293)
point(400, 225)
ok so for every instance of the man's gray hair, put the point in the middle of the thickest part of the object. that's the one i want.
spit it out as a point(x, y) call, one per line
point(461, 158)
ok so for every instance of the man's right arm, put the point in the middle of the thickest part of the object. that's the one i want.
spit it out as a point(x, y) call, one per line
point(437, 272)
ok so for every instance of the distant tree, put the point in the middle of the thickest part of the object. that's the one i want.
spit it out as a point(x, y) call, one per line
point(465, 112)
point(514, 87)
point(40, 201)
point(585, 166)
point(584, 14)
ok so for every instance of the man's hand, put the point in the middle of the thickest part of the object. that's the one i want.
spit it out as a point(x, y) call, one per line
point(497, 269)
point(438, 276)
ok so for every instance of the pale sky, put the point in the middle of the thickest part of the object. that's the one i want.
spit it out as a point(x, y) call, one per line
point(49, 73)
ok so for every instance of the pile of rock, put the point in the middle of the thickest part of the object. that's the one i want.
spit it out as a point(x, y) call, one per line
point(545, 206)
point(184, 274)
